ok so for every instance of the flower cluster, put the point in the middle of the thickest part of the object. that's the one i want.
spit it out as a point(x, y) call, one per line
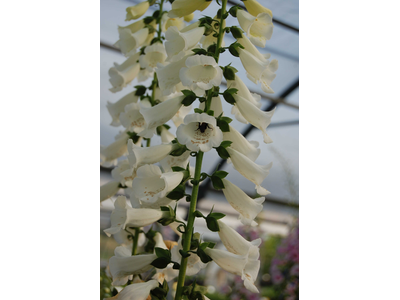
point(182, 60)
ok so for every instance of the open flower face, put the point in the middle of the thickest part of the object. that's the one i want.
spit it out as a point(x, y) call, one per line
point(121, 75)
point(154, 54)
point(201, 72)
point(150, 184)
point(118, 107)
point(131, 118)
point(128, 42)
point(181, 8)
point(259, 29)
point(199, 132)
point(258, 70)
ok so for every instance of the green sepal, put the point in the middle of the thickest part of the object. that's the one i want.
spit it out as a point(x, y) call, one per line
point(203, 256)
point(140, 90)
point(176, 266)
point(177, 193)
point(160, 252)
point(225, 144)
point(160, 262)
point(198, 214)
point(212, 224)
point(222, 152)
point(158, 293)
point(216, 215)
point(178, 169)
point(199, 51)
point(184, 254)
point(217, 182)
point(233, 48)
point(236, 32)
point(167, 220)
point(229, 73)
point(220, 174)
point(179, 151)
point(148, 20)
point(198, 111)
point(228, 95)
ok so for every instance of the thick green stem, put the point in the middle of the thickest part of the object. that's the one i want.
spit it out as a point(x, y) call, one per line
point(135, 240)
point(221, 29)
point(189, 227)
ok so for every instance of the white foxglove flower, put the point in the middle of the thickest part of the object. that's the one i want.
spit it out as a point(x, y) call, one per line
point(131, 118)
point(177, 41)
point(177, 22)
point(249, 169)
point(118, 107)
point(124, 238)
point(128, 42)
point(248, 46)
point(153, 55)
point(189, 17)
point(134, 27)
point(166, 136)
point(121, 75)
point(150, 184)
point(139, 156)
point(181, 8)
point(144, 74)
point(254, 8)
point(259, 29)
point(123, 173)
point(237, 244)
point(241, 144)
point(110, 154)
point(254, 115)
point(136, 291)
point(123, 267)
point(108, 190)
point(247, 207)
point(208, 40)
point(168, 75)
point(159, 114)
point(199, 132)
point(258, 70)
point(136, 11)
point(123, 215)
point(175, 161)
point(181, 114)
point(216, 106)
point(237, 264)
point(201, 72)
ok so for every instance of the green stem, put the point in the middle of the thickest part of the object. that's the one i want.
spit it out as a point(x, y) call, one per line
point(221, 29)
point(189, 227)
point(135, 240)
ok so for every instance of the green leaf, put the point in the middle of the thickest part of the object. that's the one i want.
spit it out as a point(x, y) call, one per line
point(188, 100)
point(188, 93)
point(224, 126)
point(225, 144)
point(160, 252)
point(226, 119)
point(199, 51)
point(220, 174)
point(198, 214)
point(222, 152)
point(140, 90)
point(161, 262)
point(178, 169)
point(212, 224)
point(217, 183)
point(177, 193)
point(217, 216)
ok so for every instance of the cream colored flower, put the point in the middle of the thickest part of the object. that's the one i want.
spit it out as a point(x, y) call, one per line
point(166, 136)
point(249, 169)
point(175, 161)
point(121, 75)
point(216, 106)
point(241, 144)
point(136, 291)
point(254, 8)
point(199, 132)
point(237, 264)
point(247, 207)
point(123, 173)
point(181, 8)
point(134, 27)
point(189, 17)
point(136, 11)
point(110, 154)
point(177, 22)
point(254, 115)
point(181, 114)
point(177, 41)
point(150, 184)
point(248, 46)
point(259, 28)
point(201, 72)
point(154, 54)
point(131, 118)
point(258, 70)
point(108, 190)
point(128, 42)
point(118, 107)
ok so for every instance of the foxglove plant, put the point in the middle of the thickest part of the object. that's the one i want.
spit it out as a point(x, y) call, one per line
point(183, 61)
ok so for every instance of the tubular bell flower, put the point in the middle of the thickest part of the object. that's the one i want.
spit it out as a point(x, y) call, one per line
point(248, 46)
point(181, 8)
point(249, 169)
point(136, 11)
point(259, 28)
point(177, 41)
point(258, 70)
point(159, 114)
point(121, 75)
point(136, 291)
point(175, 161)
point(254, 8)
point(237, 264)
point(108, 190)
point(201, 72)
point(247, 207)
point(177, 22)
point(128, 42)
point(166, 136)
point(134, 27)
point(123, 215)
point(237, 244)
point(199, 132)
point(150, 184)
point(189, 17)
point(241, 144)
point(123, 173)
point(109, 154)
point(255, 116)
point(139, 156)
point(153, 55)
point(168, 75)
point(131, 118)
point(181, 114)
point(118, 107)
